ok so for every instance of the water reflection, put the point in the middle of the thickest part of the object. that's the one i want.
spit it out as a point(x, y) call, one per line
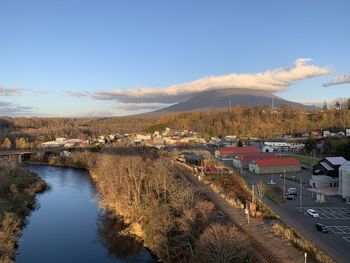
point(68, 226)
point(119, 245)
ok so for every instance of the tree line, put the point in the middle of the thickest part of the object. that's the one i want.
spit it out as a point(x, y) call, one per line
point(258, 121)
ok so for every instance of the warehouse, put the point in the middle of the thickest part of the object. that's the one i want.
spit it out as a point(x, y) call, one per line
point(344, 181)
point(275, 165)
point(243, 161)
point(329, 166)
point(232, 152)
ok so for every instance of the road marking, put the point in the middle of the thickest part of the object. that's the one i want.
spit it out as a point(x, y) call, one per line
point(347, 239)
point(330, 212)
point(339, 229)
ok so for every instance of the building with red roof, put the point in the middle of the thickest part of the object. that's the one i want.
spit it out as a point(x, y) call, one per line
point(275, 165)
point(231, 152)
point(243, 161)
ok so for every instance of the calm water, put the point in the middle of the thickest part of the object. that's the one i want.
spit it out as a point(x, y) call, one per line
point(68, 226)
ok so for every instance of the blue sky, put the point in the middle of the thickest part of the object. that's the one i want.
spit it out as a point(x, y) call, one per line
point(84, 57)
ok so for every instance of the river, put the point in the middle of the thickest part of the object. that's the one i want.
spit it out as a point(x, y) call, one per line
point(68, 225)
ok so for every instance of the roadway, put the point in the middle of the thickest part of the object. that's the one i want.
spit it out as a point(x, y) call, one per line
point(333, 212)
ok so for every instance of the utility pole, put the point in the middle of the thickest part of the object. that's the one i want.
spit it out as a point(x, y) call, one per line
point(284, 183)
point(253, 194)
point(301, 195)
point(247, 210)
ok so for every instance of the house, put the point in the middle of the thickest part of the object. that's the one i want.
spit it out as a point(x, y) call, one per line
point(231, 152)
point(275, 165)
point(323, 181)
point(277, 142)
point(192, 158)
point(344, 181)
point(267, 149)
point(243, 161)
point(329, 166)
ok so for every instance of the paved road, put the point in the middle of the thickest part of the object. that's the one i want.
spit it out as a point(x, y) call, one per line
point(334, 212)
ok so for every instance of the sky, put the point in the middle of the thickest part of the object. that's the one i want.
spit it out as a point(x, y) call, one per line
point(120, 57)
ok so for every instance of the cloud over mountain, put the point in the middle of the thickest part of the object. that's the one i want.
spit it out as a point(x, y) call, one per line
point(273, 80)
point(338, 81)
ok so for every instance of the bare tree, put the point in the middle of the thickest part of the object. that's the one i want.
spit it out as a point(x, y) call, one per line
point(260, 190)
point(222, 244)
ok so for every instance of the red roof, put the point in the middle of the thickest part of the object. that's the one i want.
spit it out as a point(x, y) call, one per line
point(239, 150)
point(277, 162)
point(247, 158)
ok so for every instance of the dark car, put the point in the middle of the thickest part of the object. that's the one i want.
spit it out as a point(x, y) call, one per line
point(290, 197)
point(322, 228)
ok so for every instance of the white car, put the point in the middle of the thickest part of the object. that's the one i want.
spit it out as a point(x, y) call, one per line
point(313, 213)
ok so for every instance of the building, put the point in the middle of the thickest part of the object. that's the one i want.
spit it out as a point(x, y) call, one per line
point(323, 181)
point(243, 161)
point(232, 152)
point(275, 165)
point(329, 166)
point(344, 181)
point(267, 149)
point(192, 158)
point(277, 142)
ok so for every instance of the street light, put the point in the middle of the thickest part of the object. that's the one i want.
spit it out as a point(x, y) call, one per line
point(284, 183)
point(301, 195)
point(305, 257)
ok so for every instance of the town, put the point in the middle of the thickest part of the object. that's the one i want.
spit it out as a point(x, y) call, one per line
point(307, 191)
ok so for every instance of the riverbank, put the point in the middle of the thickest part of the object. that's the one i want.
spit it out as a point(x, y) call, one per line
point(165, 211)
point(18, 189)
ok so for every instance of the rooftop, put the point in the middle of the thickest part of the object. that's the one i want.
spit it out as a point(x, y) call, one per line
point(277, 162)
point(239, 150)
point(253, 157)
point(339, 160)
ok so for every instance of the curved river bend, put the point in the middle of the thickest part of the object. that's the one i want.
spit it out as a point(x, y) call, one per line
point(68, 226)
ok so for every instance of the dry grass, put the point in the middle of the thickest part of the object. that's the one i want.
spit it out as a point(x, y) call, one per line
point(17, 195)
point(301, 243)
point(275, 194)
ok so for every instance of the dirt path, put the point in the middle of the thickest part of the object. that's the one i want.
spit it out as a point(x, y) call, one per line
point(271, 248)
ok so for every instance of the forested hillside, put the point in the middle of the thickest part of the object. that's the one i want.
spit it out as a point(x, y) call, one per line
point(259, 121)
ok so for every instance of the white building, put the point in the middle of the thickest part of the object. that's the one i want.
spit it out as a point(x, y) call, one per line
point(323, 181)
point(267, 149)
point(344, 181)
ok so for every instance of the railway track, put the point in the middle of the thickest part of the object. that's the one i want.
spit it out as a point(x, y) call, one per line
point(264, 252)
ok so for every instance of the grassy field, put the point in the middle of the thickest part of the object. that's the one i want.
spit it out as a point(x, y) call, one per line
point(304, 159)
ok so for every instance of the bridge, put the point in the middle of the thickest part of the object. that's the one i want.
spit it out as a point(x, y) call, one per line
point(20, 154)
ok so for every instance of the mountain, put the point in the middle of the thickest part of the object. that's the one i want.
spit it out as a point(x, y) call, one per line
point(223, 98)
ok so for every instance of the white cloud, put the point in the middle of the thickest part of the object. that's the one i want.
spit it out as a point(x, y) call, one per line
point(338, 81)
point(10, 91)
point(273, 80)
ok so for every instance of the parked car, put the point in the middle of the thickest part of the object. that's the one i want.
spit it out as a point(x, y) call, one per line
point(322, 228)
point(292, 191)
point(290, 197)
point(313, 213)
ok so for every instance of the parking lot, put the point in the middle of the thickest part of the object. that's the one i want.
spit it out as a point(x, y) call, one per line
point(330, 212)
point(339, 229)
